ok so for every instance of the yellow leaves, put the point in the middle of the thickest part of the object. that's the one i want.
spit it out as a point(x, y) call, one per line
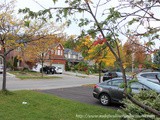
point(35, 49)
point(125, 64)
point(87, 41)
point(19, 57)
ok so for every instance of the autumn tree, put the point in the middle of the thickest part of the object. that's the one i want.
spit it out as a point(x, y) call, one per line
point(110, 21)
point(39, 51)
point(15, 33)
point(9, 28)
point(70, 42)
point(96, 51)
point(135, 52)
point(156, 59)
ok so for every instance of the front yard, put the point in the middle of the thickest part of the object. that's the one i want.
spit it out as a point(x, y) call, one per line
point(32, 75)
point(31, 105)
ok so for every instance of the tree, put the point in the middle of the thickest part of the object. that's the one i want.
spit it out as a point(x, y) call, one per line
point(131, 111)
point(107, 23)
point(135, 53)
point(15, 33)
point(9, 27)
point(70, 43)
point(40, 49)
point(156, 59)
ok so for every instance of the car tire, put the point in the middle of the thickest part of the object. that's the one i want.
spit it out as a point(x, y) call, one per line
point(104, 99)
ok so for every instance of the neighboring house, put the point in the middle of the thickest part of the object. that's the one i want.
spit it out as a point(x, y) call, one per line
point(72, 57)
point(56, 56)
point(11, 57)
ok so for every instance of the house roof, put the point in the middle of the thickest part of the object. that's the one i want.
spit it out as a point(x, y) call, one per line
point(55, 45)
point(67, 50)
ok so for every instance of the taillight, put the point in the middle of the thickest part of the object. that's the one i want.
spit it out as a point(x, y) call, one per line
point(95, 86)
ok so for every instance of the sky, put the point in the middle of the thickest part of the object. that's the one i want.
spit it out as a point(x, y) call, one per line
point(72, 29)
point(21, 4)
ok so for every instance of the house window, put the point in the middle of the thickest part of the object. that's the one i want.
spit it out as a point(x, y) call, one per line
point(69, 55)
point(59, 52)
point(52, 51)
point(74, 56)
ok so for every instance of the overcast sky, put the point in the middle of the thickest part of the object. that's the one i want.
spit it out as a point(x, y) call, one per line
point(73, 29)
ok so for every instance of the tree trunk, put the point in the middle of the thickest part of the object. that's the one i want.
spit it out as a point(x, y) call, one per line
point(42, 64)
point(4, 74)
point(100, 68)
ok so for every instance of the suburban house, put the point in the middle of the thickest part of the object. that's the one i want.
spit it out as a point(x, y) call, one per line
point(72, 56)
point(54, 57)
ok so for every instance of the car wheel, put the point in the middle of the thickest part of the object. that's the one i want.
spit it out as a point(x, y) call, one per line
point(104, 99)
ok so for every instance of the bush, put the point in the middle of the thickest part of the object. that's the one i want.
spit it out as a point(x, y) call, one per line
point(133, 112)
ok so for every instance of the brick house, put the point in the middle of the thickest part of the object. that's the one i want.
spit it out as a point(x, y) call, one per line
point(54, 57)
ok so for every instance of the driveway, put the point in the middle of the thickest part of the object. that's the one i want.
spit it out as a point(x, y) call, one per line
point(82, 94)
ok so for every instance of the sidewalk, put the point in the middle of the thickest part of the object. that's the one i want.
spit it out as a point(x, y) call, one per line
point(78, 74)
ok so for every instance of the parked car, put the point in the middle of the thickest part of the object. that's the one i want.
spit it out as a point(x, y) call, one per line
point(48, 70)
point(109, 91)
point(58, 70)
point(151, 76)
point(110, 75)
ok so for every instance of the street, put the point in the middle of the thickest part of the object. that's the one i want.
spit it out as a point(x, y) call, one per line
point(67, 80)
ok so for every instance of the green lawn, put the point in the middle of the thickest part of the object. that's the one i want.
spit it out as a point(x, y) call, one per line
point(31, 75)
point(42, 106)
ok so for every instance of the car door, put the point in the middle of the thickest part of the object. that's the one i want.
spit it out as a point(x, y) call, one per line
point(116, 92)
point(137, 86)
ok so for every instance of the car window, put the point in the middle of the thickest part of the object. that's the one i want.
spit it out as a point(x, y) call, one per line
point(114, 74)
point(119, 74)
point(106, 74)
point(114, 82)
point(149, 75)
point(137, 85)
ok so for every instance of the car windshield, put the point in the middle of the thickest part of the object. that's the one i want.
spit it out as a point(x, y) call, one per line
point(119, 74)
point(151, 85)
point(150, 75)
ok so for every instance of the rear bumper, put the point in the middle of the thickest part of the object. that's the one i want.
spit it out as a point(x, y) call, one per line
point(95, 95)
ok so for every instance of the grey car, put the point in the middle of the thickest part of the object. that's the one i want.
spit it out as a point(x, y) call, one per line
point(109, 91)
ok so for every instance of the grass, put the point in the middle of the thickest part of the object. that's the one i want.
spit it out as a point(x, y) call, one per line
point(32, 105)
point(31, 75)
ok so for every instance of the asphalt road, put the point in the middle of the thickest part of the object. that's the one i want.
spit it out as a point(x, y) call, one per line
point(82, 94)
point(65, 80)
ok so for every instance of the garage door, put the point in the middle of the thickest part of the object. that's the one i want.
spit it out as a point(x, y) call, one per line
point(59, 65)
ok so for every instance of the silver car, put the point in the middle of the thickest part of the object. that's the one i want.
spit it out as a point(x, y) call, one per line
point(109, 91)
point(151, 76)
